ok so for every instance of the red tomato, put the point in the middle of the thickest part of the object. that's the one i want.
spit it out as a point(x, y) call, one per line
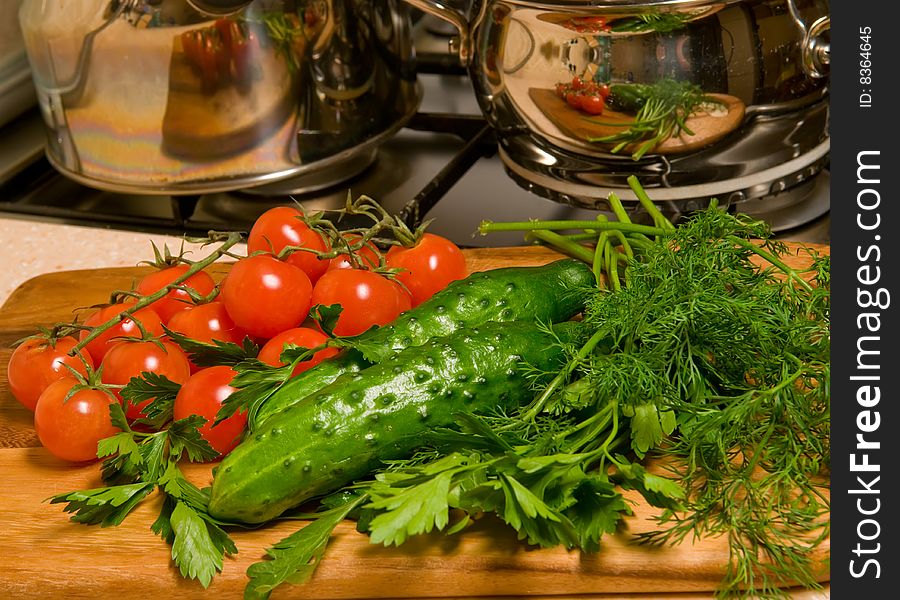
point(205, 323)
point(428, 267)
point(35, 364)
point(177, 299)
point(592, 105)
point(203, 395)
point(264, 296)
point(208, 66)
point(70, 430)
point(128, 359)
point(574, 99)
point(304, 337)
point(125, 328)
point(282, 226)
point(603, 89)
point(366, 298)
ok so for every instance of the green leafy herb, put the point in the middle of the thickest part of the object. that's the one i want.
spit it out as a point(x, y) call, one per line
point(295, 558)
point(136, 463)
point(103, 506)
point(255, 382)
point(660, 22)
point(146, 388)
point(719, 362)
point(204, 354)
point(662, 109)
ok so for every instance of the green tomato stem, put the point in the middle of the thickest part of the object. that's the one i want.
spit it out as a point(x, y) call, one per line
point(232, 239)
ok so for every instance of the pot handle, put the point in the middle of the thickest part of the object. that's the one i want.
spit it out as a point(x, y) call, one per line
point(815, 47)
point(452, 16)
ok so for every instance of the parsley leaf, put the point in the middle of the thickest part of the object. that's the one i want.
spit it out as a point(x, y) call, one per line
point(410, 511)
point(104, 506)
point(256, 382)
point(326, 317)
point(194, 549)
point(204, 354)
point(158, 390)
point(295, 558)
point(185, 437)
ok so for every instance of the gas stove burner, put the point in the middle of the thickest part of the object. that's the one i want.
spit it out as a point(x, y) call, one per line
point(779, 185)
point(317, 180)
point(794, 208)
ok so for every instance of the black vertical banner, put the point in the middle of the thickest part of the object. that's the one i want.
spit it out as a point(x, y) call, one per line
point(865, 371)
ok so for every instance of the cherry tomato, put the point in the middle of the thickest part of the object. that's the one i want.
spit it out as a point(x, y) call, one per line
point(177, 299)
point(574, 99)
point(428, 267)
point(125, 328)
point(190, 44)
point(128, 359)
point(225, 29)
point(36, 363)
point(366, 299)
point(242, 58)
point(304, 337)
point(206, 323)
point(203, 395)
point(592, 105)
point(264, 296)
point(208, 62)
point(70, 429)
point(366, 257)
point(603, 89)
point(283, 226)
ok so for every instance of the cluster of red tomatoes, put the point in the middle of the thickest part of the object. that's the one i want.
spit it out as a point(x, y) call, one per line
point(266, 296)
point(220, 54)
point(588, 24)
point(585, 96)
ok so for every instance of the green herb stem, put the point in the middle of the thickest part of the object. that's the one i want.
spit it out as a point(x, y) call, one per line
point(771, 258)
point(658, 218)
point(563, 244)
point(492, 227)
point(539, 403)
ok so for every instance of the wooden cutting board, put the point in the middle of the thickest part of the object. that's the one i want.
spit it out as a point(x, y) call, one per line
point(46, 556)
point(707, 128)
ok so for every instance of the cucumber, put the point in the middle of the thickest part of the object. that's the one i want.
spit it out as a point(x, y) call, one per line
point(349, 428)
point(550, 293)
point(628, 97)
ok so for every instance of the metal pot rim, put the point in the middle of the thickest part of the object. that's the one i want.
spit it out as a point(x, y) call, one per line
point(609, 5)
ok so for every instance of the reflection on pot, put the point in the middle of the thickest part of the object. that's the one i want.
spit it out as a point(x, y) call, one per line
point(692, 70)
point(164, 97)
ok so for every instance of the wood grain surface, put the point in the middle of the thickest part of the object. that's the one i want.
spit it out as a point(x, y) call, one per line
point(707, 129)
point(46, 556)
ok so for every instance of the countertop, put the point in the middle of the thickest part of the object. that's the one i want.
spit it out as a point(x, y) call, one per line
point(31, 248)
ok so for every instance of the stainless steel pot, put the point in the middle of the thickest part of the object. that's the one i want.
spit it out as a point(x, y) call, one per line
point(189, 96)
point(763, 63)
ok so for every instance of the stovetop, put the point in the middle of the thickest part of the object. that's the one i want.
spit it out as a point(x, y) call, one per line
point(442, 166)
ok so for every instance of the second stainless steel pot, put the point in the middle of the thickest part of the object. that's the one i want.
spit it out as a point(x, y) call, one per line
point(762, 64)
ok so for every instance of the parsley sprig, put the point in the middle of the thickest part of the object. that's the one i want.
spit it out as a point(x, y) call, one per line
point(136, 463)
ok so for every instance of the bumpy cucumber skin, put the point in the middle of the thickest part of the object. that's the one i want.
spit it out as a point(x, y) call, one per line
point(350, 427)
point(551, 293)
